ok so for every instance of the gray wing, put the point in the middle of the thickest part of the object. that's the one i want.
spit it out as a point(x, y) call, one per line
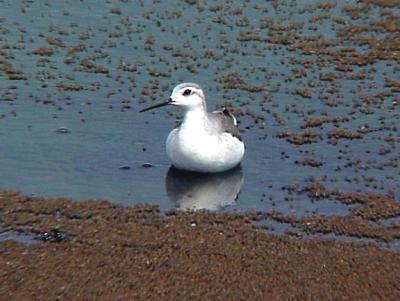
point(225, 122)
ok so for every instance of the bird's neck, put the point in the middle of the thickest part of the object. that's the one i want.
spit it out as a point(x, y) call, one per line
point(194, 119)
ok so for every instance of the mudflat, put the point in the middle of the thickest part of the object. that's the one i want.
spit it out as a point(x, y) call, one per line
point(99, 250)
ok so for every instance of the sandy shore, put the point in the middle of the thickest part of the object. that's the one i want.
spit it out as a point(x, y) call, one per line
point(104, 251)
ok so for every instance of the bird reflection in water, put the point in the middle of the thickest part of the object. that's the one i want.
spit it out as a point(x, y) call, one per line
point(195, 191)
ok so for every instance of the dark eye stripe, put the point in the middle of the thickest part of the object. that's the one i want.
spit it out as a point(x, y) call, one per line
point(187, 92)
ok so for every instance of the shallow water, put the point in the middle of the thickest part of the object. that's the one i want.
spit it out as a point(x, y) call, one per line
point(93, 144)
point(18, 237)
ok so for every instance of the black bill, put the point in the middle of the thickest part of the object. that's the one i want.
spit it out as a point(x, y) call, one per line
point(165, 103)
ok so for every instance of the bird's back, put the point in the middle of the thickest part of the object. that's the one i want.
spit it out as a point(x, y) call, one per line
point(224, 122)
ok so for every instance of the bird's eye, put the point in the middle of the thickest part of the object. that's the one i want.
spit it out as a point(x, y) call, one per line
point(187, 92)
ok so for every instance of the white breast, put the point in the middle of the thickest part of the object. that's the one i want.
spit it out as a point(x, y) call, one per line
point(195, 149)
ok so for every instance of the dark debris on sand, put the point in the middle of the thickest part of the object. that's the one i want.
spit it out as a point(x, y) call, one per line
point(116, 253)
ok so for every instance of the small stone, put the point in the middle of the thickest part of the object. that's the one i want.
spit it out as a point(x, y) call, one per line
point(63, 130)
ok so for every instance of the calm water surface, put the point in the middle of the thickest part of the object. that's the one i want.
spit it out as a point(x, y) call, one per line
point(70, 125)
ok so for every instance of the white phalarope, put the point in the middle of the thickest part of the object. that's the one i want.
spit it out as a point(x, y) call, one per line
point(204, 142)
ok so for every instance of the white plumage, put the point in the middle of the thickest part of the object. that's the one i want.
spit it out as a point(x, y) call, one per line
point(204, 142)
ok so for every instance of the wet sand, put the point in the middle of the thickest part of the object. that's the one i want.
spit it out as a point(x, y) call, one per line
point(99, 250)
point(316, 89)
